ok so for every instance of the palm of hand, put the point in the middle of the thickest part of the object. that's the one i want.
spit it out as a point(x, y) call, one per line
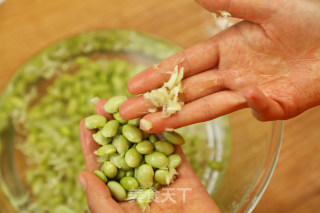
point(279, 57)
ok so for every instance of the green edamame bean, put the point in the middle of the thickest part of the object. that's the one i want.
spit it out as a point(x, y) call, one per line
point(164, 147)
point(113, 104)
point(145, 135)
point(121, 144)
point(144, 198)
point(173, 137)
point(110, 129)
point(174, 161)
point(101, 175)
point(109, 169)
point(103, 159)
point(100, 139)
point(132, 133)
point(106, 150)
point(117, 191)
point(118, 117)
point(153, 138)
point(119, 162)
point(134, 122)
point(163, 177)
point(129, 183)
point(130, 173)
point(144, 174)
point(133, 157)
point(95, 122)
point(157, 160)
point(120, 174)
point(135, 171)
point(215, 165)
point(145, 147)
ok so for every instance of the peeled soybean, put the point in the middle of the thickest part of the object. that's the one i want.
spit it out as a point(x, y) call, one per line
point(164, 147)
point(144, 175)
point(95, 122)
point(130, 173)
point(121, 144)
point(117, 191)
point(109, 169)
point(132, 133)
point(157, 160)
point(153, 138)
point(133, 157)
point(173, 137)
point(120, 174)
point(135, 121)
point(145, 147)
point(113, 104)
point(120, 162)
point(110, 129)
point(118, 117)
point(101, 175)
point(106, 150)
point(174, 161)
point(162, 177)
point(129, 183)
point(100, 139)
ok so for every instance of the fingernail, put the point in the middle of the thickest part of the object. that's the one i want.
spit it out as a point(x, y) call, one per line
point(82, 181)
point(145, 124)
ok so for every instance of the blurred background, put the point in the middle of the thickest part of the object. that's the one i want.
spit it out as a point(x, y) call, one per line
point(27, 27)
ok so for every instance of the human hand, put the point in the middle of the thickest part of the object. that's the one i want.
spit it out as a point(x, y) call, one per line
point(186, 194)
point(269, 62)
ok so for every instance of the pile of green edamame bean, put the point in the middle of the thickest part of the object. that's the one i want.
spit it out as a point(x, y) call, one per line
point(134, 163)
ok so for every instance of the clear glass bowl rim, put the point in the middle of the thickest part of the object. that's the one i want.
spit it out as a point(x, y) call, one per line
point(266, 173)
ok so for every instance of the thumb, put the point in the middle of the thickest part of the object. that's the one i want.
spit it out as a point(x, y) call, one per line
point(263, 107)
point(98, 195)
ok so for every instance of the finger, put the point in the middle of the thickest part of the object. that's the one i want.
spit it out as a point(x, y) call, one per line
point(255, 11)
point(134, 108)
point(100, 110)
point(263, 108)
point(200, 110)
point(194, 87)
point(201, 85)
point(198, 58)
point(88, 146)
point(98, 195)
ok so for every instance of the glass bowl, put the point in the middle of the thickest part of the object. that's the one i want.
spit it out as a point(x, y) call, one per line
point(241, 151)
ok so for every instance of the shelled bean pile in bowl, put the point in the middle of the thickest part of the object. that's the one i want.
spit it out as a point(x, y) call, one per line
point(41, 108)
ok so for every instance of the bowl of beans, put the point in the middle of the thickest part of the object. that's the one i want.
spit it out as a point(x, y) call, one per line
point(42, 105)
